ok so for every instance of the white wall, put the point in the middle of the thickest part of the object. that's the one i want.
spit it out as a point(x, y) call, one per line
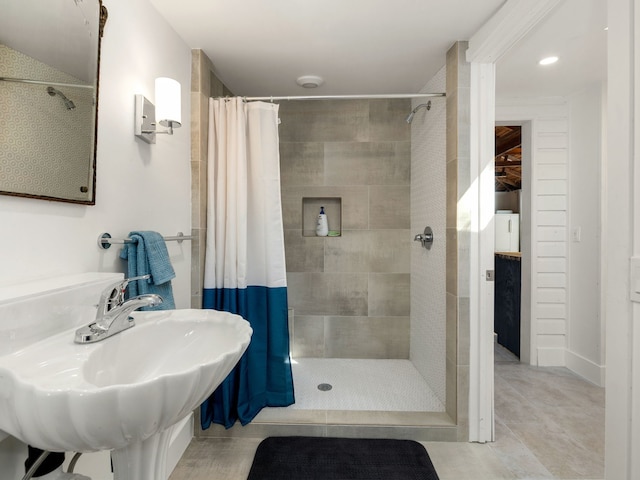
point(566, 151)
point(428, 267)
point(549, 126)
point(585, 346)
point(508, 201)
point(139, 186)
point(621, 238)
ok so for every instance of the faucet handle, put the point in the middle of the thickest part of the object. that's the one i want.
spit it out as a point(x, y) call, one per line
point(141, 277)
point(113, 295)
point(123, 285)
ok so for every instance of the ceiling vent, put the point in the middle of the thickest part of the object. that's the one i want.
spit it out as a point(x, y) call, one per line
point(310, 81)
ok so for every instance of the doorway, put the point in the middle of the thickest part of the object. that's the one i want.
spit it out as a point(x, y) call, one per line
point(508, 257)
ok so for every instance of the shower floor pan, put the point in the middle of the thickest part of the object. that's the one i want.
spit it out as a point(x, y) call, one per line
point(384, 385)
point(353, 398)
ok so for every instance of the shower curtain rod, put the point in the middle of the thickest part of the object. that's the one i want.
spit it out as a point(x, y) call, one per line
point(345, 97)
point(41, 82)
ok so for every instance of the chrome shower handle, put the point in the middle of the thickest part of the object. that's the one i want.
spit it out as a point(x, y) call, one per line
point(426, 238)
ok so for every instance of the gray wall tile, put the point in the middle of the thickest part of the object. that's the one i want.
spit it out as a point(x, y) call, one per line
point(301, 163)
point(389, 294)
point(367, 337)
point(390, 251)
point(328, 293)
point(355, 207)
point(458, 235)
point(360, 152)
point(308, 338)
point(452, 193)
point(452, 123)
point(324, 121)
point(307, 293)
point(452, 328)
point(347, 293)
point(384, 251)
point(292, 207)
point(367, 163)
point(451, 403)
point(452, 261)
point(348, 253)
point(389, 206)
point(387, 120)
point(303, 254)
point(464, 327)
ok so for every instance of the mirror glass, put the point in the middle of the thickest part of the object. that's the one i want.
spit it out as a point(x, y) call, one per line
point(49, 63)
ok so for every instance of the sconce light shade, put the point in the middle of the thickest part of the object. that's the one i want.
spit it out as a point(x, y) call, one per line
point(168, 112)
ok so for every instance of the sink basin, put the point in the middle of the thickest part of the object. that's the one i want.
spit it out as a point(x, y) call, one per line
point(62, 396)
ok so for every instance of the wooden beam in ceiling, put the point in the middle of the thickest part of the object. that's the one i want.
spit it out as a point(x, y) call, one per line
point(508, 140)
point(508, 163)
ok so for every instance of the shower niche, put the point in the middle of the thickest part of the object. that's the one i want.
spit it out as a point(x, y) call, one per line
point(310, 210)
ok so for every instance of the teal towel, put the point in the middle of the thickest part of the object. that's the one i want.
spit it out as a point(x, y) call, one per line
point(147, 255)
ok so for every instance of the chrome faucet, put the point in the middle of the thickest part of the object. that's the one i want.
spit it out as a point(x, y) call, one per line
point(113, 312)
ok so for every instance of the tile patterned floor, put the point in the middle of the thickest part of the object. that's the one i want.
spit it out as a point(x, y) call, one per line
point(549, 421)
point(359, 384)
point(549, 425)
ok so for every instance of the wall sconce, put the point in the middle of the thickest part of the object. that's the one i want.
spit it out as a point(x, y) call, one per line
point(167, 111)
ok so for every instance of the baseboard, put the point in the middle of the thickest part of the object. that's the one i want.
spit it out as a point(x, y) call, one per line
point(180, 439)
point(586, 368)
point(551, 357)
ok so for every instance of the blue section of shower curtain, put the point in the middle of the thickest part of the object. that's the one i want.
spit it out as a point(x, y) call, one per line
point(263, 376)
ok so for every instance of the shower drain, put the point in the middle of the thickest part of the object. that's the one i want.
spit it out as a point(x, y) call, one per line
point(325, 387)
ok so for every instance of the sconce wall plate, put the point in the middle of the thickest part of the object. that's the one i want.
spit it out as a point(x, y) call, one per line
point(145, 119)
point(167, 107)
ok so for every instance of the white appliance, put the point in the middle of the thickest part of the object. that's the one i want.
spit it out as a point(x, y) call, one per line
point(507, 232)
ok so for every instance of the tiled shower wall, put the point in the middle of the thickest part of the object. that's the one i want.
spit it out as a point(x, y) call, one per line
point(458, 272)
point(204, 84)
point(350, 294)
point(315, 291)
point(428, 207)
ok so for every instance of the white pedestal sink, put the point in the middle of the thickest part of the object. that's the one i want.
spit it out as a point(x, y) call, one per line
point(124, 393)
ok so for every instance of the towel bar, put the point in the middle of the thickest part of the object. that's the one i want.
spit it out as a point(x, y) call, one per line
point(105, 241)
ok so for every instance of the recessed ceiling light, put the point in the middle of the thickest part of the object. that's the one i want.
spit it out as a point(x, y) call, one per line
point(310, 81)
point(548, 60)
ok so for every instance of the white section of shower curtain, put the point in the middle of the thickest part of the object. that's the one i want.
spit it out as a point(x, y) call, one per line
point(245, 236)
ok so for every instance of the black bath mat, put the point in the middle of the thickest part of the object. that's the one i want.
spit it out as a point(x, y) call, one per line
point(321, 458)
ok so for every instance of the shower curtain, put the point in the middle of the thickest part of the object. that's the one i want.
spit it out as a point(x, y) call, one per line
point(244, 258)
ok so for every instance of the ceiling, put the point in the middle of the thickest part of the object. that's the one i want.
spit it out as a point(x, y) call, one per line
point(259, 47)
point(574, 32)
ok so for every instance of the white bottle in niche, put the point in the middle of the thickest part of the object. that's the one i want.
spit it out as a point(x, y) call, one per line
point(322, 224)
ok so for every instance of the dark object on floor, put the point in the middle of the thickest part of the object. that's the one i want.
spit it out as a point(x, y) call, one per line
point(321, 458)
point(53, 461)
